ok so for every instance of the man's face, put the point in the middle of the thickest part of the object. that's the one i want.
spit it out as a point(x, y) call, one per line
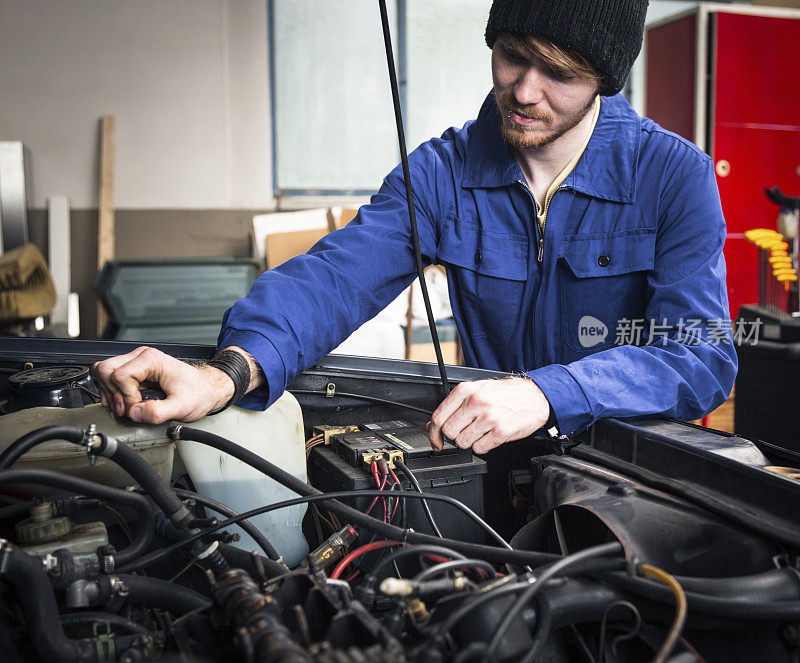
point(537, 103)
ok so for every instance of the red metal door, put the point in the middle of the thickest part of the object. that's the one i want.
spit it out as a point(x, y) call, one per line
point(670, 61)
point(755, 133)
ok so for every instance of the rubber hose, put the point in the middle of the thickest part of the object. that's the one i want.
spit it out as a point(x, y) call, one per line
point(124, 456)
point(15, 509)
point(578, 601)
point(772, 586)
point(156, 488)
point(241, 559)
point(226, 511)
point(571, 565)
point(27, 442)
point(143, 528)
point(156, 593)
point(26, 574)
point(413, 550)
point(740, 608)
point(214, 562)
point(769, 586)
point(468, 605)
point(471, 564)
point(570, 601)
point(541, 631)
point(91, 618)
point(385, 530)
point(163, 495)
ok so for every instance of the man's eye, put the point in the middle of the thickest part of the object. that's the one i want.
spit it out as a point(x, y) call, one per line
point(513, 55)
point(561, 76)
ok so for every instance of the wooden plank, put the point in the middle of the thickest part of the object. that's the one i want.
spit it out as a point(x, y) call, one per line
point(105, 223)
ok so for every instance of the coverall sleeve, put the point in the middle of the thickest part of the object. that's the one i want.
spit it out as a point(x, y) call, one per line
point(299, 311)
point(687, 371)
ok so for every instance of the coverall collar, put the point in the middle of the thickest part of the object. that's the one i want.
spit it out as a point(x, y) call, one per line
point(606, 170)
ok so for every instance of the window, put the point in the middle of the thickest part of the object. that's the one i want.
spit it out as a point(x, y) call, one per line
point(332, 118)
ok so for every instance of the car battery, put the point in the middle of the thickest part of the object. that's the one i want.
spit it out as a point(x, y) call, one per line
point(399, 438)
point(456, 473)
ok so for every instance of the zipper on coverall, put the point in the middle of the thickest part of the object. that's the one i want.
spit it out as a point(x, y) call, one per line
point(540, 225)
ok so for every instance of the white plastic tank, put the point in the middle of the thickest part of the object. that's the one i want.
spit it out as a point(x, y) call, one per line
point(275, 434)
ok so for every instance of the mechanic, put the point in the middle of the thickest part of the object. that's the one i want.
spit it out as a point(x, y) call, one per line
point(583, 248)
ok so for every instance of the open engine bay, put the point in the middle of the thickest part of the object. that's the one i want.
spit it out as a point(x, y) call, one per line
point(327, 530)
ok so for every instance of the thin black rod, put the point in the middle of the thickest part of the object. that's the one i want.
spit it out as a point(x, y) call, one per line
point(398, 116)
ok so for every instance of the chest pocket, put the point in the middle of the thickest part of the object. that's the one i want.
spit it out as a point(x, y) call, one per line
point(602, 282)
point(488, 271)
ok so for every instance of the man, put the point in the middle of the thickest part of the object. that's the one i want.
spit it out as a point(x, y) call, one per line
point(564, 220)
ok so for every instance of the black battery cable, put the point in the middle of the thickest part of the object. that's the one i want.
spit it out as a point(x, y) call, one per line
point(501, 554)
point(355, 516)
point(413, 481)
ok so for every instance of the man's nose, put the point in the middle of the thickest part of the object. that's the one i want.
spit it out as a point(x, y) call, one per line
point(529, 87)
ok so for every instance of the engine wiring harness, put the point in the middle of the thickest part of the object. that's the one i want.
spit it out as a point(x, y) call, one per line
point(178, 591)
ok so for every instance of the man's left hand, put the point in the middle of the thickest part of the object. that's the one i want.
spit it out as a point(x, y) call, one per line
point(486, 413)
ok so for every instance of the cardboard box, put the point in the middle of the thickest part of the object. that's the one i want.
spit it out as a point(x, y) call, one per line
point(339, 217)
point(280, 247)
point(426, 352)
point(421, 346)
point(275, 223)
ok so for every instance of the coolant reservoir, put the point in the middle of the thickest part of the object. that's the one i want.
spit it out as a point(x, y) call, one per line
point(275, 434)
point(151, 442)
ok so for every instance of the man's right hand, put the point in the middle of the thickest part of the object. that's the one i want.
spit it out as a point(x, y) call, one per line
point(192, 392)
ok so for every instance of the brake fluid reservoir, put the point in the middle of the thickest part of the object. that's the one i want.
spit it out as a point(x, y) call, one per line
point(275, 434)
point(44, 533)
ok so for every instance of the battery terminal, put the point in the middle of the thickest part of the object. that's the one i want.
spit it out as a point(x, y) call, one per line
point(328, 431)
point(372, 456)
point(393, 457)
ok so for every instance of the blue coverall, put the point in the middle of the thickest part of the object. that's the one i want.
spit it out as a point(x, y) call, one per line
point(634, 233)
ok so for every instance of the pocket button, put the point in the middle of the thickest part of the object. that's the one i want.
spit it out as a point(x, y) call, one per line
point(603, 260)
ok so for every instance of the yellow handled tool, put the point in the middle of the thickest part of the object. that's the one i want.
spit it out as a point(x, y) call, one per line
point(772, 244)
point(787, 280)
point(756, 233)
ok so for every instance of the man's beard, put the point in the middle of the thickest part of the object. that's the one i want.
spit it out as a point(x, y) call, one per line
point(518, 137)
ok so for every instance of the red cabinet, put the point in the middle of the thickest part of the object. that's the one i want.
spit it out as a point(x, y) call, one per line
point(727, 79)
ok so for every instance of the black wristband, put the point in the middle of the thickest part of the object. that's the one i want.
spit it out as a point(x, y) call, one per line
point(235, 366)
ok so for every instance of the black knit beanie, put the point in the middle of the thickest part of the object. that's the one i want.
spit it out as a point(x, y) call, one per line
point(608, 33)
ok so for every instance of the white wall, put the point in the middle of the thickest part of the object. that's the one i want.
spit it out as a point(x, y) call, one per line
point(186, 80)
